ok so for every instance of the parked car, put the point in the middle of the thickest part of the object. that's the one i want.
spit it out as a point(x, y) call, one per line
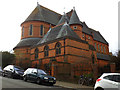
point(0, 71)
point(108, 81)
point(13, 71)
point(38, 76)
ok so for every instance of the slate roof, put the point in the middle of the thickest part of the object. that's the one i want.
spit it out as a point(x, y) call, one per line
point(103, 56)
point(63, 19)
point(86, 29)
point(27, 42)
point(96, 34)
point(98, 37)
point(41, 13)
point(59, 31)
point(74, 19)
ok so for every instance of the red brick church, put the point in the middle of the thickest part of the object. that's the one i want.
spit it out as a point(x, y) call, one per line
point(53, 42)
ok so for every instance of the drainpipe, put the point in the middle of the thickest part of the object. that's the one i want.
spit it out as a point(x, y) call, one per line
point(64, 50)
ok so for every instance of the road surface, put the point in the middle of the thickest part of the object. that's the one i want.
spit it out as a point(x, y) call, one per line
point(16, 84)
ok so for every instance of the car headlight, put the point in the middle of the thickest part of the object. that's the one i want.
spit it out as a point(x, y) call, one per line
point(54, 78)
point(45, 77)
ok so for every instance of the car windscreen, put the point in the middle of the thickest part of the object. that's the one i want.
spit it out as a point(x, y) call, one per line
point(18, 68)
point(41, 72)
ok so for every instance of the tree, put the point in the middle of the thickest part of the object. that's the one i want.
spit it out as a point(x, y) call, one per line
point(7, 58)
point(116, 60)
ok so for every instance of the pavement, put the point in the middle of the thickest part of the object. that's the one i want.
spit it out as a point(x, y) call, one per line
point(72, 85)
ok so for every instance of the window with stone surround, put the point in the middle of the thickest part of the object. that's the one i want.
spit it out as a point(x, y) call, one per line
point(74, 27)
point(23, 31)
point(31, 29)
point(41, 30)
point(58, 48)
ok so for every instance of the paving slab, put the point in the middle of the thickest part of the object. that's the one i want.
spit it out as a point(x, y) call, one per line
point(73, 86)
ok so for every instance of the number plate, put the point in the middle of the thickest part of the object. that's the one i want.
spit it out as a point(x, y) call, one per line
point(50, 81)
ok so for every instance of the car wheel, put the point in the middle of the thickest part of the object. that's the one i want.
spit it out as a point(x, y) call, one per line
point(38, 81)
point(99, 89)
point(25, 78)
point(12, 76)
point(3, 74)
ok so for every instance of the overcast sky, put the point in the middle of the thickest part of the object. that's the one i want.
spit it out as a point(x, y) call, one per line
point(101, 15)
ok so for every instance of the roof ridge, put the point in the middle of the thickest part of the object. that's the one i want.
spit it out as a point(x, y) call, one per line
point(58, 25)
point(39, 8)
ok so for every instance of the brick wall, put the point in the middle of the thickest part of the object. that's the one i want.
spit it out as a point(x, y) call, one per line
point(36, 28)
point(22, 56)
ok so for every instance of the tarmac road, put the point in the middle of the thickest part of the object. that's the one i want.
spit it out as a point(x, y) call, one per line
point(16, 84)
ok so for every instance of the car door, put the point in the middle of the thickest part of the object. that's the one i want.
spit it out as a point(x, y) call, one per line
point(33, 75)
point(28, 74)
point(116, 79)
point(108, 82)
point(11, 70)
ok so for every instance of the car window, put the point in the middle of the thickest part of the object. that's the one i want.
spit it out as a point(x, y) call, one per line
point(116, 78)
point(41, 72)
point(17, 68)
point(109, 77)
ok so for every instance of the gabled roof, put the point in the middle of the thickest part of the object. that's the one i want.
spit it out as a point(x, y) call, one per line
point(67, 31)
point(41, 13)
point(57, 32)
point(96, 34)
point(63, 19)
point(27, 42)
point(74, 19)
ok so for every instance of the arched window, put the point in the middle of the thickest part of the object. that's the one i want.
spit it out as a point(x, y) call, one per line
point(46, 51)
point(41, 30)
point(31, 29)
point(22, 31)
point(58, 48)
point(36, 53)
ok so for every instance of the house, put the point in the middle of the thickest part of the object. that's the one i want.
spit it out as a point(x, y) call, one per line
point(56, 42)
